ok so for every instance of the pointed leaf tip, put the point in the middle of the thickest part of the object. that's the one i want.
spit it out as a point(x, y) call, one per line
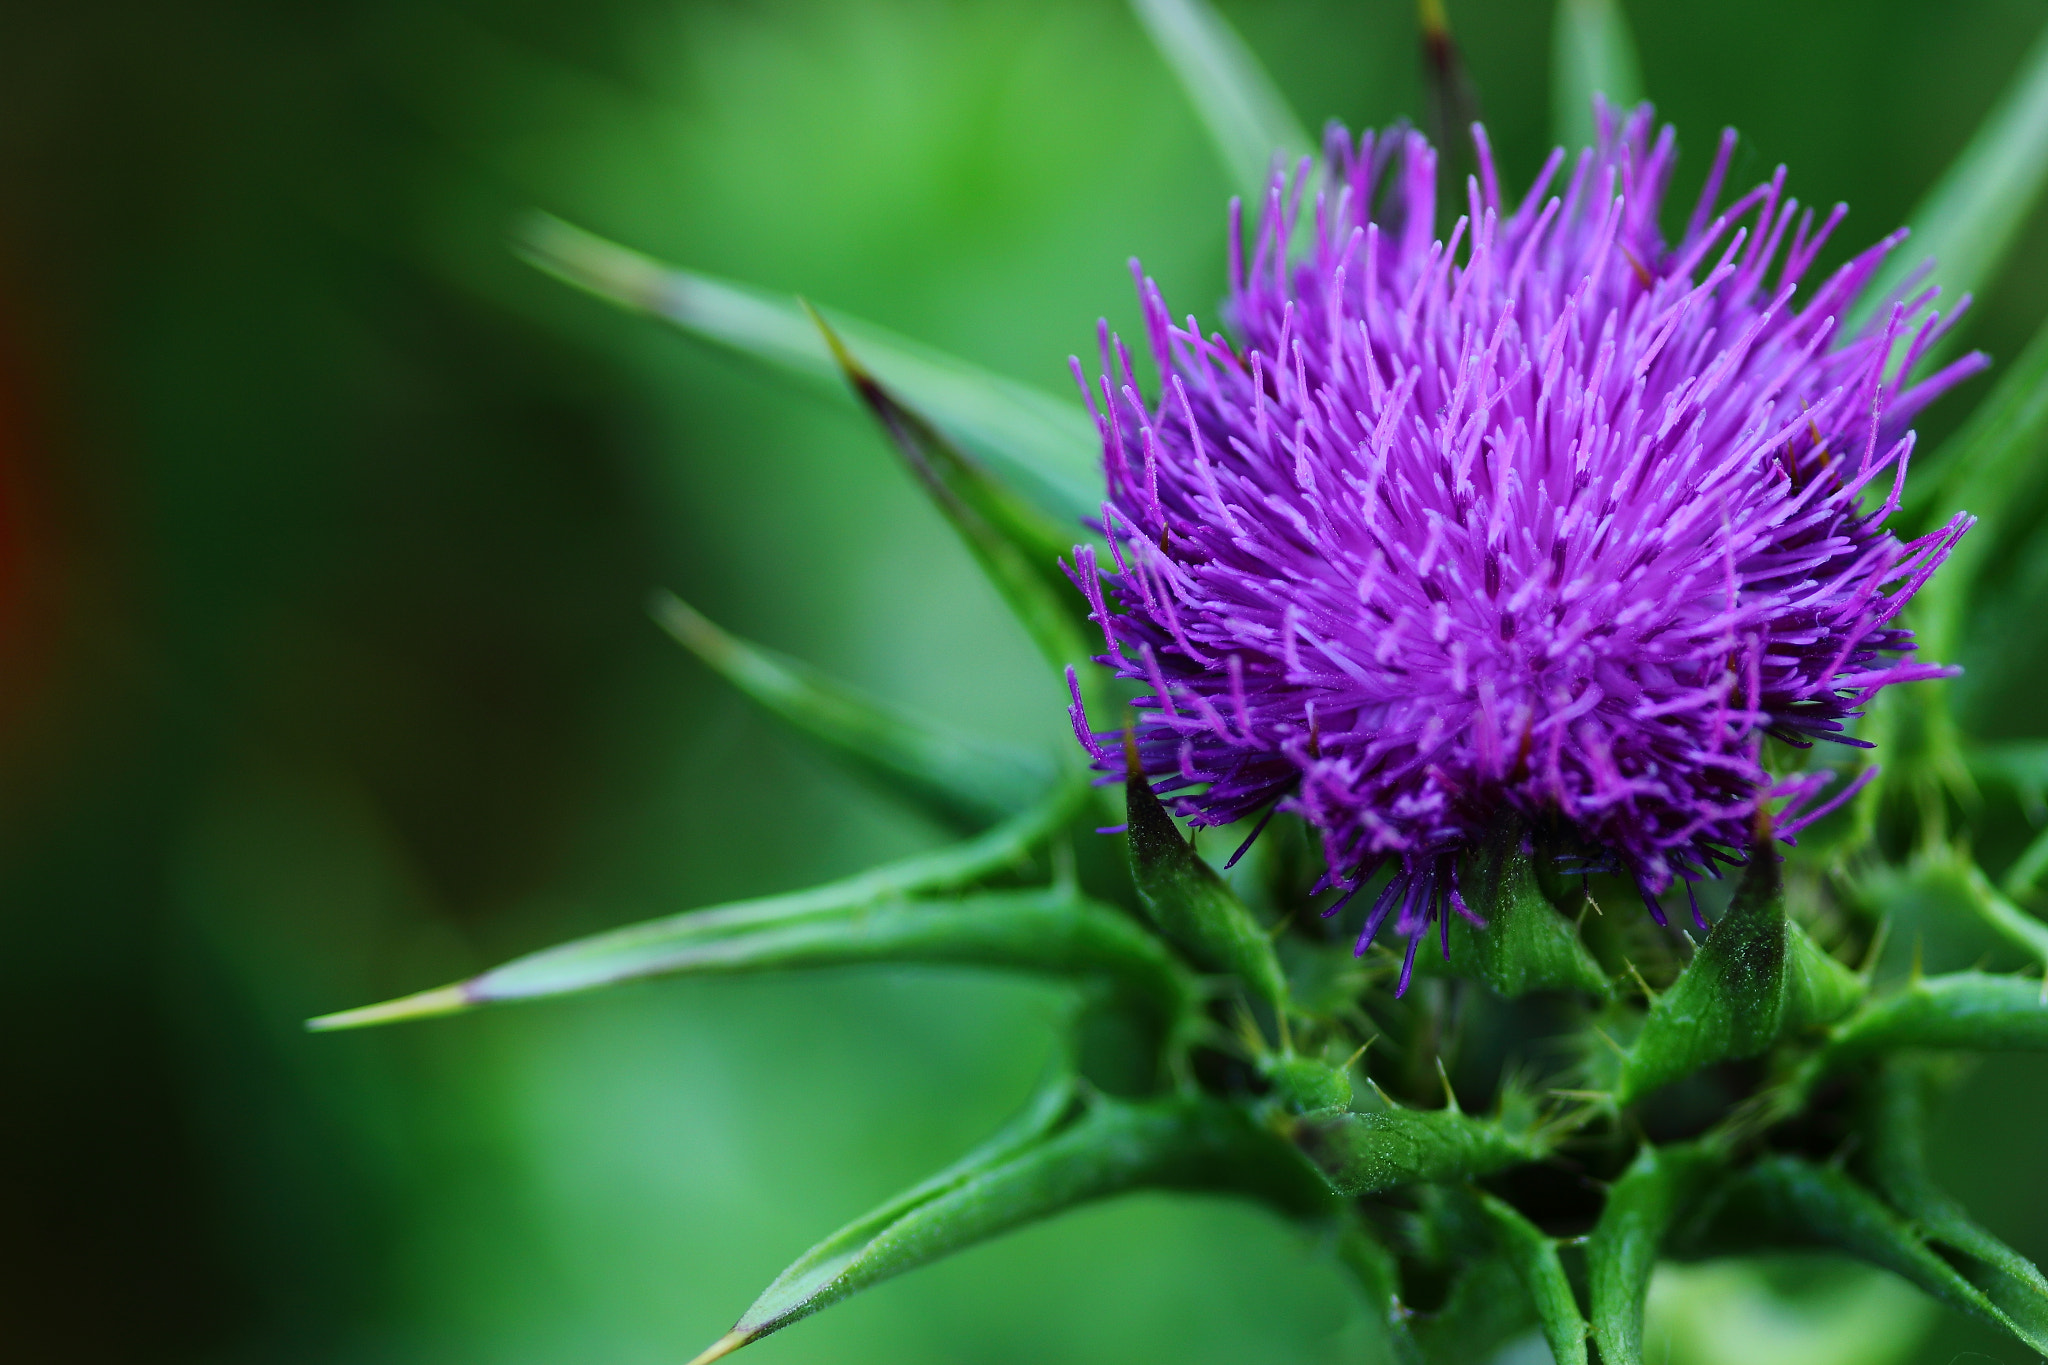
point(855, 372)
point(424, 1005)
point(1072, 1147)
point(1046, 445)
point(723, 1347)
point(1592, 53)
point(1740, 992)
point(1017, 546)
point(869, 916)
point(960, 781)
point(1247, 118)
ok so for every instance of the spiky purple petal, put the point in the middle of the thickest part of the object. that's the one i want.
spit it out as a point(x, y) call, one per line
point(1547, 516)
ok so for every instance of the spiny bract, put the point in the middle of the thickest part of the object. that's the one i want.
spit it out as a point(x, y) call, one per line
point(1565, 524)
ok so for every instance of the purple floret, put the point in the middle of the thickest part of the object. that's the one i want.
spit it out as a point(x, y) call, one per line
point(1551, 519)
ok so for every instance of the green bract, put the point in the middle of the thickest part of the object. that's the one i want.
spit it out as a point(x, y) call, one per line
point(1628, 1092)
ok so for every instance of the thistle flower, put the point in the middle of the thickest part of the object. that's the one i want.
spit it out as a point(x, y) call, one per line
point(1539, 532)
point(1549, 519)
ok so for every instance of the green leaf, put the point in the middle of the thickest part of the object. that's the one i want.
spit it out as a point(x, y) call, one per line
point(645, 949)
point(1992, 468)
point(2021, 766)
point(1047, 448)
point(1087, 1148)
point(959, 781)
point(1592, 53)
point(1971, 217)
point(1973, 1011)
point(1247, 118)
point(2014, 926)
point(1896, 1160)
point(1047, 932)
point(1526, 945)
point(2024, 876)
point(1015, 546)
point(1536, 1264)
point(1484, 1311)
point(1785, 1201)
point(1306, 1085)
point(1659, 1188)
point(1941, 904)
point(1365, 1153)
point(1378, 1277)
point(1755, 977)
point(1192, 906)
point(1818, 989)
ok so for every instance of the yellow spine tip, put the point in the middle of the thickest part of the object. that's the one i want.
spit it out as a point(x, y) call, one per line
point(426, 1004)
point(840, 354)
point(723, 1347)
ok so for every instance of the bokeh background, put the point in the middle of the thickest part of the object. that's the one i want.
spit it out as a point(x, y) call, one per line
point(325, 529)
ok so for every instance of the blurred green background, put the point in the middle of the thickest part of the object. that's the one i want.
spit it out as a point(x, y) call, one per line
point(325, 536)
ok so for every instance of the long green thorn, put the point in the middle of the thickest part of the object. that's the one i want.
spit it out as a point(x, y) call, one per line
point(723, 1347)
point(424, 1005)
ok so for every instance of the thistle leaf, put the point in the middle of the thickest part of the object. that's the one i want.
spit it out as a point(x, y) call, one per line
point(1972, 1011)
point(1942, 903)
point(1592, 53)
point(1246, 116)
point(1045, 932)
point(2024, 876)
point(1526, 945)
point(1785, 1201)
point(1378, 1276)
point(1191, 905)
point(1047, 448)
point(1731, 1001)
point(1818, 989)
point(1016, 547)
point(1365, 1153)
point(651, 947)
point(2022, 767)
point(1896, 1161)
point(1087, 1148)
point(1484, 1311)
point(1991, 468)
point(1053, 1106)
point(1659, 1188)
point(2021, 764)
point(1536, 1264)
point(1306, 1085)
point(962, 782)
point(2018, 929)
point(1969, 219)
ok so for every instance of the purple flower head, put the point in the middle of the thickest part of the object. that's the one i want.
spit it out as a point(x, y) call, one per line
point(1550, 518)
